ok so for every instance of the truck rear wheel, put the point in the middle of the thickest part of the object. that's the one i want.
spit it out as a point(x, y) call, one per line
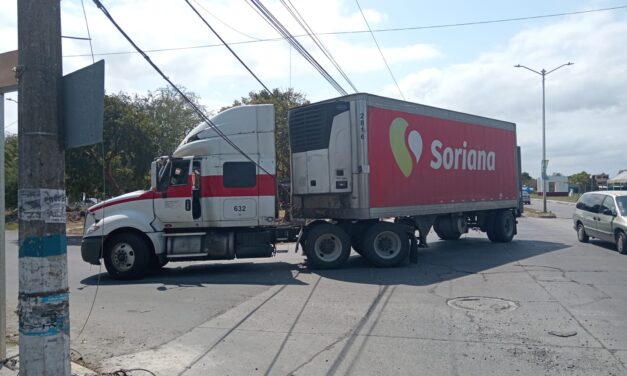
point(445, 229)
point(386, 244)
point(502, 227)
point(327, 246)
point(126, 256)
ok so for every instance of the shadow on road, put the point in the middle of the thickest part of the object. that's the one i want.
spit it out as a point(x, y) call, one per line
point(440, 262)
point(202, 274)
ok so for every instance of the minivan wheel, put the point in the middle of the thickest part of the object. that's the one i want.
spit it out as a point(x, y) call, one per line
point(581, 233)
point(621, 243)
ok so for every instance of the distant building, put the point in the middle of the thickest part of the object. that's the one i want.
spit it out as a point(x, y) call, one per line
point(557, 185)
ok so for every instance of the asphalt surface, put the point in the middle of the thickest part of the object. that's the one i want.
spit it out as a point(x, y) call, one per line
point(561, 209)
point(541, 305)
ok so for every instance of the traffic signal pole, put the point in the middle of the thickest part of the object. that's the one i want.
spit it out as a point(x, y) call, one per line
point(43, 285)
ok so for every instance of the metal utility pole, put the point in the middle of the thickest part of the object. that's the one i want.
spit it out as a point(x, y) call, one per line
point(543, 73)
point(43, 286)
point(3, 291)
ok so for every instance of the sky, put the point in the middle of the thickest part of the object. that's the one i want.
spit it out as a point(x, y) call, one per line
point(463, 68)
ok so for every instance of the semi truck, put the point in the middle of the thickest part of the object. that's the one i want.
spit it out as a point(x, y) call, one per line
point(367, 174)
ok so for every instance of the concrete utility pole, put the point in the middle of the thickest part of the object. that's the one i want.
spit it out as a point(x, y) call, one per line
point(43, 287)
point(543, 73)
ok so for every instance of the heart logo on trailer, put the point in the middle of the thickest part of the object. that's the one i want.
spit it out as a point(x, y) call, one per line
point(399, 147)
point(448, 158)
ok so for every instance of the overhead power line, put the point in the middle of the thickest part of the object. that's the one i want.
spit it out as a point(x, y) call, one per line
point(301, 21)
point(191, 103)
point(396, 29)
point(379, 48)
point(282, 30)
point(227, 46)
point(224, 23)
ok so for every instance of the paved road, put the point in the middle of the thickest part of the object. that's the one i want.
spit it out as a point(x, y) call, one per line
point(563, 210)
point(541, 305)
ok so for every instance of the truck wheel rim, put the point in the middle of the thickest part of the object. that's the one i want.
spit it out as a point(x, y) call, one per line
point(620, 243)
point(123, 257)
point(580, 231)
point(508, 225)
point(387, 244)
point(328, 247)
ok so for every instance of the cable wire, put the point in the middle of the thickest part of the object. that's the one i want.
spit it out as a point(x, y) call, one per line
point(282, 30)
point(301, 21)
point(396, 29)
point(227, 46)
point(194, 106)
point(379, 48)
point(104, 195)
point(224, 23)
point(91, 47)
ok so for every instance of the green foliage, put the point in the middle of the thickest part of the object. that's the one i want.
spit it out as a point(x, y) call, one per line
point(10, 170)
point(580, 179)
point(528, 180)
point(282, 101)
point(171, 118)
point(136, 130)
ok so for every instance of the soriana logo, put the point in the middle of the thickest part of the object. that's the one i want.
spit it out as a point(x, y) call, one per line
point(407, 148)
point(417, 159)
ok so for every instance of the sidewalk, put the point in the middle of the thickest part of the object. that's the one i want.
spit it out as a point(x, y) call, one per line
point(12, 366)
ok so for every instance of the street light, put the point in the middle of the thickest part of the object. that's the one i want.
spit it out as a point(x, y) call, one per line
point(543, 73)
point(11, 100)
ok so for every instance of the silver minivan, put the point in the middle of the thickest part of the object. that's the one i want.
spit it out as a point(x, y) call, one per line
point(602, 215)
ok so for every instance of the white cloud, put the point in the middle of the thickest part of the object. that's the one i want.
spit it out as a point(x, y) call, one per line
point(586, 103)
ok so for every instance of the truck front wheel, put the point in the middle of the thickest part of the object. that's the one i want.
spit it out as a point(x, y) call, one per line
point(386, 244)
point(126, 256)
point(327, 246)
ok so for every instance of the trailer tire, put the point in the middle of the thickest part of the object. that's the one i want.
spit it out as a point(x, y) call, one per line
point(502, 227)
point(386, 244)
point(126, 256)
point(445, 230)
point(327, 246)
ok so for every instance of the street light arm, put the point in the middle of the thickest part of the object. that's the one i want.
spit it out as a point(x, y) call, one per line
point(554, 69)
point(527, 68)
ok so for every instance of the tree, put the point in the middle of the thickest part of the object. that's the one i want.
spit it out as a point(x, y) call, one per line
point(581, 180)
point(528, 180)
point(282, 101)
point(171, 117)
point(136, 130)
point(124, 157)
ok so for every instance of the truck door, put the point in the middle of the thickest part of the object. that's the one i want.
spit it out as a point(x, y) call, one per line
point(174, 203)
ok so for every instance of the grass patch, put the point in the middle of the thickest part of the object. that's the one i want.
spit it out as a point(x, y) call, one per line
point(11, 226)
point(572, 198)
point(533, 213)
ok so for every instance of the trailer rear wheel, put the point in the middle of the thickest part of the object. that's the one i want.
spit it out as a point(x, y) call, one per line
point(386, 244)
point(327, 246)
point(126, 256)
point(446, 228)
point(502, 227)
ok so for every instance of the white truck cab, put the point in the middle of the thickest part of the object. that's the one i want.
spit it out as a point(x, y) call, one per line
point(206, 201)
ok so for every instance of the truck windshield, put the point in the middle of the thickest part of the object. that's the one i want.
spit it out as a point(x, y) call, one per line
point(163, 172)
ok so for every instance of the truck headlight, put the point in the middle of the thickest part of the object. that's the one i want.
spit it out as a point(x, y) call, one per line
point(93, 228)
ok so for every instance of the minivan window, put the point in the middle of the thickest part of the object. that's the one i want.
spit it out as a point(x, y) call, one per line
point(608, 206)
point(590, 202)
point(622, 205)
